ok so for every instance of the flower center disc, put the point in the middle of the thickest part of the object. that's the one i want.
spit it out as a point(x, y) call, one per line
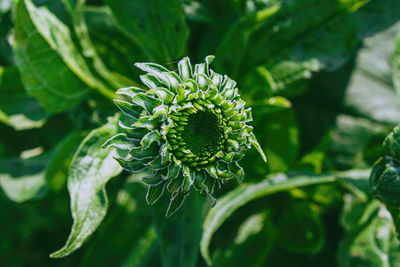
point(198, 136)
point(204, 134)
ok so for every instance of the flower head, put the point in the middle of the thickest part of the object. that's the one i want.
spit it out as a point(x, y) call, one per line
point(189, 129)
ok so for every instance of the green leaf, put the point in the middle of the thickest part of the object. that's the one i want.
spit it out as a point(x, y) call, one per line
point(91, 168)
point(257, 229)
point(370, 91)
point(18, 109)
point(24, 179)
point(114, 47)
point(52, 68)
point(245, 193)
point(77, 12)
point(370, 239)
point(157, 27)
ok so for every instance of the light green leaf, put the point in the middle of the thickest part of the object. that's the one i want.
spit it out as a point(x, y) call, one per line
point(370, 239)
point(245, 193)
point(157, 27)
point(52, 68)
point(91, 168)
point(23, 179)
point(18, 109)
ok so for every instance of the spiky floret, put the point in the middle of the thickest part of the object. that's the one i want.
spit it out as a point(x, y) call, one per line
point(188, 129)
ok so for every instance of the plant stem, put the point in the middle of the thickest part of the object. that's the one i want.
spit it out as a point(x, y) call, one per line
point(179, 235)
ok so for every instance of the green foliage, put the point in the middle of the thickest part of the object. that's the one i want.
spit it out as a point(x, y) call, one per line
point(316, 81)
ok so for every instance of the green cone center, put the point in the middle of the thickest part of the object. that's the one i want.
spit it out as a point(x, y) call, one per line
point(204, 134)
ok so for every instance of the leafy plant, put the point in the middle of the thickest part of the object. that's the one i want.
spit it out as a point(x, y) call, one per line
point(316, 81)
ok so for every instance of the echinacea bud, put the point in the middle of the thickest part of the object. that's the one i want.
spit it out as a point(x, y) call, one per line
point(385, 174)
point(189, 129)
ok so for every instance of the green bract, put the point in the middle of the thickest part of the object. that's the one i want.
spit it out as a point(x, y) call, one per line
point(188, 129)
point(385, 174)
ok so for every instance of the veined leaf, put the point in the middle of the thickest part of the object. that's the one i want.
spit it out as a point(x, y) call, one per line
point(246, 193)
point(52, 68)
point(77, 12)
point(91, 168)
point(370, 238)
point(157, 27)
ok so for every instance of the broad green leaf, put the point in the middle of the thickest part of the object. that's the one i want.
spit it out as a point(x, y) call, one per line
point(24, 179)
point(179, 235)
point(255, 230)
point(157, 27)
point(245, 193)
point(77, 13)
point(370, 91)
point(370, 238)
point(91, 168)
point(292, 44)
point(18, 109)
point(52, 68)
point(113, 46)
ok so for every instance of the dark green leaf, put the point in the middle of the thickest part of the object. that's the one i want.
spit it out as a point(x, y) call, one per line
point(246, 193)
point(52, 68)
point(157, 27)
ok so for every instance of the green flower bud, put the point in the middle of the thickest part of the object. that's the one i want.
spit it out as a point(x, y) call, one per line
point(189, 129)
point(391, 145)
point(385, 174)
point(385, 182)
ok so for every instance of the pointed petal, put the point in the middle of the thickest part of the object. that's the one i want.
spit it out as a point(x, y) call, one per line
point(185, 68)
point(154, 193)
point(175, 203)
point(140, 153)
point(145, 101)
point(152, 81)
point(120, 141)
point(163, 94)
point(129, 91)
point(128, 109)
point(132, 165)
point(149, 138)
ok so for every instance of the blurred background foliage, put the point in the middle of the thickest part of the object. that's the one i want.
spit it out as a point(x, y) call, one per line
point(322, 78)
